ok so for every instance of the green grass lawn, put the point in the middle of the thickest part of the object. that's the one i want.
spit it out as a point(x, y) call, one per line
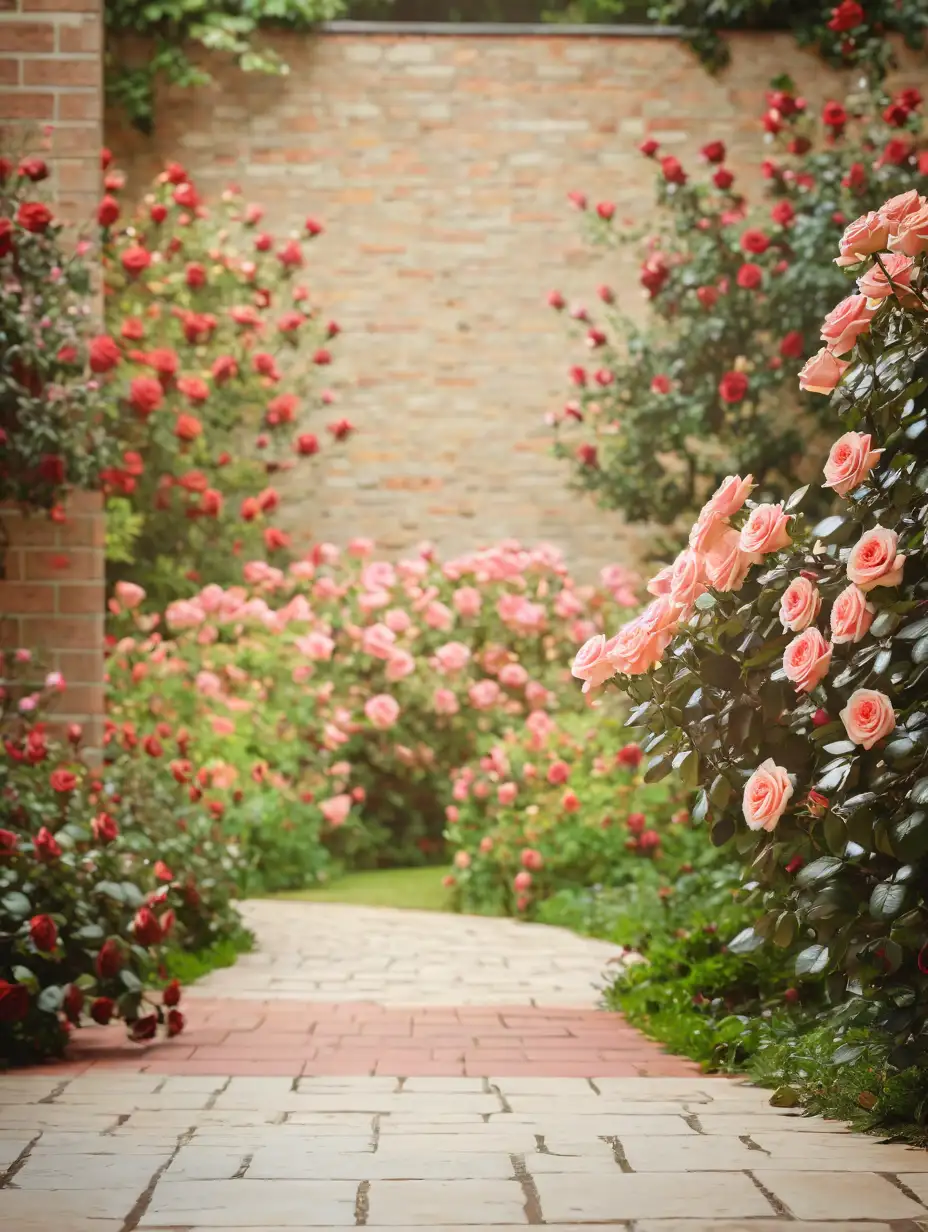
point(417, 888)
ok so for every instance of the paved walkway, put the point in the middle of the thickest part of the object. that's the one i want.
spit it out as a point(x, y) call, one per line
point(387, 1069)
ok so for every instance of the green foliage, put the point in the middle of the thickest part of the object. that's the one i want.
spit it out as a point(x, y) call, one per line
point(179, 35)
point(186, 966)
point(411, 889)
point(706, 387)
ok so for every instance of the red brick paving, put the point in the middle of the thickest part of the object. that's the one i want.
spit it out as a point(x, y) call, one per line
point(287, 1038)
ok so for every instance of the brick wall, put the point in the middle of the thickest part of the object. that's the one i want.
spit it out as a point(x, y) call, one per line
point(440, 164)
point(51, 592)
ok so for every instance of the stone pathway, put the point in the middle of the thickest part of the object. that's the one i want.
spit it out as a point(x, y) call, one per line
point(408, 1071)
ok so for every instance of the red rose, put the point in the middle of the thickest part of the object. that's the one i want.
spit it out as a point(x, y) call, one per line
point(34, 216)
point(171, 995)
point(6, 237)
point(193, 388)
point(733, 386)
point(856, 178)
point(314, 227)
point(250, 509)
point(104, 354)
point(14, 1002)
point(211, 504)
point(714, 152)
point(847, 16)
point(792, 345)
point(102, 1009)
point(307, 444)
point(275, 539)
point(46, 845)
point(164, 361)
point(896, 114)
point(106, 157)
point(175, 1023)
point(158, 213)
point(185, 195)
point(73, 1002)
point(895, 152)
point(605, 210)
point(146, 928)
point(783, 213)
point(672, 170)
point(182, 771)
point(755, 242)
point(107, 211)
point(723, 179)
point(649, 148)
point(143, 1028)
point(132, 330)
point(44, 933)
point(630, 756)
point(52, 469)
point(162, 872)
point(104, 828)
point(145, 395)
point(268, 500)
point(340, 429)
point(187, 428)
point(224, 369)
point(834, 115)
point(67, 355)
point(135, 260)
point(166, 921)
point(109, 959)
point(8, 843)
point(291, 255)
point(750, 276)
point(62, 780)
point(34, 169)
point(587, 455)
point(152, 746)
point(175, 173)
point(195, 275)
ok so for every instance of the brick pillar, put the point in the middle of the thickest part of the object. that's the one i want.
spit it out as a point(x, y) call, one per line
point(52, 587)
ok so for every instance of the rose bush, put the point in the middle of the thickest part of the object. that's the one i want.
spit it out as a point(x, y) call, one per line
point(548, 805)
point(54, 432)
point(105, 871)
point(811, 754)
point(736, 293)
point(211, 356)
point(326, 704)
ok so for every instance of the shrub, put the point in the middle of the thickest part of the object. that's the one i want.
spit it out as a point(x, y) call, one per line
point(326, 705)
point(706, 387)
point(53, 430)
point(210, 357)
point(811, 753)
point(104, 872)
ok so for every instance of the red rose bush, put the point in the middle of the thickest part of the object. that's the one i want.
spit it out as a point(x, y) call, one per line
point(789, 685)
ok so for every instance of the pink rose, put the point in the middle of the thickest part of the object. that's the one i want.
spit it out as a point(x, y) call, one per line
point(800, 605)
point(725, 564)
point(513, 676)
point(444, 702)
point(378, 575)
point(850, 461)
point(844, 323)
point(336, 809)
point(874, 560)
point(437, 616)
point(378, 641)
point(851, 616)
point(660, 583)
point(397, 620)
point(639, 645)
point(806, 660)
point(592, 665)
point(129, 594)
point(912, 236)
point(728, 498)
point(382, 710)
point(522, 881)
point(687, 579)
point(360, 547)
point(868, 717)
point(506, 793)
point(895, 279)
point(765, 531)
point(400, 664)
point(462, 859)
point(862, 238)
point(467, 601)
point(821, 373)
point(766, 795)
point(452, 657)
point(315, 646)
point(484, 694)
point(894, 211)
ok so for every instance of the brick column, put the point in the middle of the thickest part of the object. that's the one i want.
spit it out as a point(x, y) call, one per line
point(52, 587)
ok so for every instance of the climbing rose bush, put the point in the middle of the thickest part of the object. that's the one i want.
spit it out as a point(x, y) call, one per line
point(215, 358)
point(54, 433)
point(662, 410)
point(104, 870)
point(781, 667)
point(549, 805)
point(327, 703)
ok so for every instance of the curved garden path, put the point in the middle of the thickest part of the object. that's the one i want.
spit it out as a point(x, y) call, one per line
point(379, 1068)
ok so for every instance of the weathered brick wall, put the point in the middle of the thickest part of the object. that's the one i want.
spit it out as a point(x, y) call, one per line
point(440, 165)
point(51, 592)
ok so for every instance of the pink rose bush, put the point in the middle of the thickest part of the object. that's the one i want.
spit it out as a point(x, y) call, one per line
point(791, 691)
point(329, 700)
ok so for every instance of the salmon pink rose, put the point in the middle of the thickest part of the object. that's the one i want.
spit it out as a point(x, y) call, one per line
point(800, 605)
point(862, 238)
point(806, 660)
point(912, 236)
point(893, 276)
point(868, 717)
point(843, 325)
point(850, 461)
point(874, 560)
point(728, 498)
point(467, 601)
point(484, 694)
point(452, 657)
point(725, 564)
point(382, 710)
point(399, 665)
point(660, 583)
point(592, 665)
point(766, 795)
point(851, 616)
point(640, 644)
point(444, 702)
point(897, 209)
point(129, 594)
point(336, 809)
point(378, 641)
point(765, 531)
point(315, 646)
point(821, 373)
point(687, 579)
